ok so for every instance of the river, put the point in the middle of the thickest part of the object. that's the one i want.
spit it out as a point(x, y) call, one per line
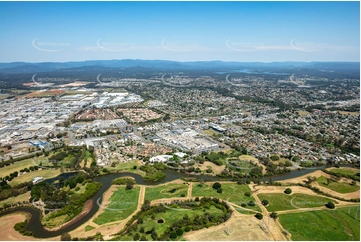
point(34, 223)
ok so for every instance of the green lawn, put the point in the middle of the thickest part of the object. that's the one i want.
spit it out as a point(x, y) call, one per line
point(345, 172)
point(335, 225)
point(128, 166)
point(88, 228)
point(121, 204)
point(49, 173)
point(19, 198)
point(281, 201)
point(231, 191)
point(169, 217)
point(340, 187)
point(165, 191)
point(19, 165)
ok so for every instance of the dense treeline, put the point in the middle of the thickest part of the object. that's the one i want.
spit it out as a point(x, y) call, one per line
point(153, 172)
point(7, 191)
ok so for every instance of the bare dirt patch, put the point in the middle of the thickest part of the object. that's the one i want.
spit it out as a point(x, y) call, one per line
point(241, 227)
point(216, 169)
point(7, 231)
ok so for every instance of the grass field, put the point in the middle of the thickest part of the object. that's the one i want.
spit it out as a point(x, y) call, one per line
point(30, 175)
point(169, 217)
point(19, 198)
point(231, 191)
point(340, 187)
point(281, 201)
point(88, 228)
point(344, 172)
point(335, 225)
point(128, 166)
point(19, 165)
point(120, 205)
point(165, 191)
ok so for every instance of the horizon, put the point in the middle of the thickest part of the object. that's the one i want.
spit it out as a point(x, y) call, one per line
point(37, 32)
point(264, 62)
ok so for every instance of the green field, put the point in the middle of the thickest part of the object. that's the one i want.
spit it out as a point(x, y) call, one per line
point(88, 228)
point(165, 191)
point(335, 225)
point(340, 187)
point(281, 201)
point(169, 217)
point(128, 166)
point(49, 173)
point(19, 165)
point(19, 198)
point(121, 204)
point(231, 191)
point(345, 172)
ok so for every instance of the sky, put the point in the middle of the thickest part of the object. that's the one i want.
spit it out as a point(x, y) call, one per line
point(180, 31)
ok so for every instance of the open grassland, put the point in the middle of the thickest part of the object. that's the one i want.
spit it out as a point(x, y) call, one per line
point(232, 192)
point(120, 205)
point(49, 173)
point(128, 166)
point(169, 217)
point(281, 201)
point(340, 187)
point(19, 165)
point(166, 191)
point(344, 171)
point(19, 198)
point(335, 225)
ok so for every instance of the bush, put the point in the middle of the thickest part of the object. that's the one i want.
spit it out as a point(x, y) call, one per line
point(330, 205)
point(65, 237)
point(259, 216)
point(288, 191)
point(173, 235)
point(273, 215)
point(179, 232)
point(219, 190)
point(264, 202)
point(247, 194)
point(217, 185)
point(251, 203)
point(244, 205)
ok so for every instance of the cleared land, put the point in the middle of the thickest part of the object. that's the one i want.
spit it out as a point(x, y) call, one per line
point(19, 165)
point(335, 225)
point(281, 201)
point(216, 169)
point(240, 228)
point(340, 187)
point(120, 205)
point(128, 166)
point(49, 173)
point(232, 192)
point(167, 191)
point(7, 231)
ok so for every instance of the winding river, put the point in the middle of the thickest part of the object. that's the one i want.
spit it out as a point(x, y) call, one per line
point(34, 224)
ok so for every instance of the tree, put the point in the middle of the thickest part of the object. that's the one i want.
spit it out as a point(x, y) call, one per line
point(265, 202)
point(219, 190)
point(136, 236)
point(65, 237)
point(330, 205)
point(274, 215)
point(173, 235)
point(288, 191)
point(129, 186)
point(179, 232)
point(217, 185)
point(247, 194)
point(259, 216)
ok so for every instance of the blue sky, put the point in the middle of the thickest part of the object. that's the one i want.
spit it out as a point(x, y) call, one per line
point(181, 31)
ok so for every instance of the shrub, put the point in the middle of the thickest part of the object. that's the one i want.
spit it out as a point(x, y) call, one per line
point(247, 194)
point(288, 191)
point(259, 216)
point(217, 185)
point(330, 205)
point(251, 203)
point(219, 190)
point(273, 215)
point(265, 202)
